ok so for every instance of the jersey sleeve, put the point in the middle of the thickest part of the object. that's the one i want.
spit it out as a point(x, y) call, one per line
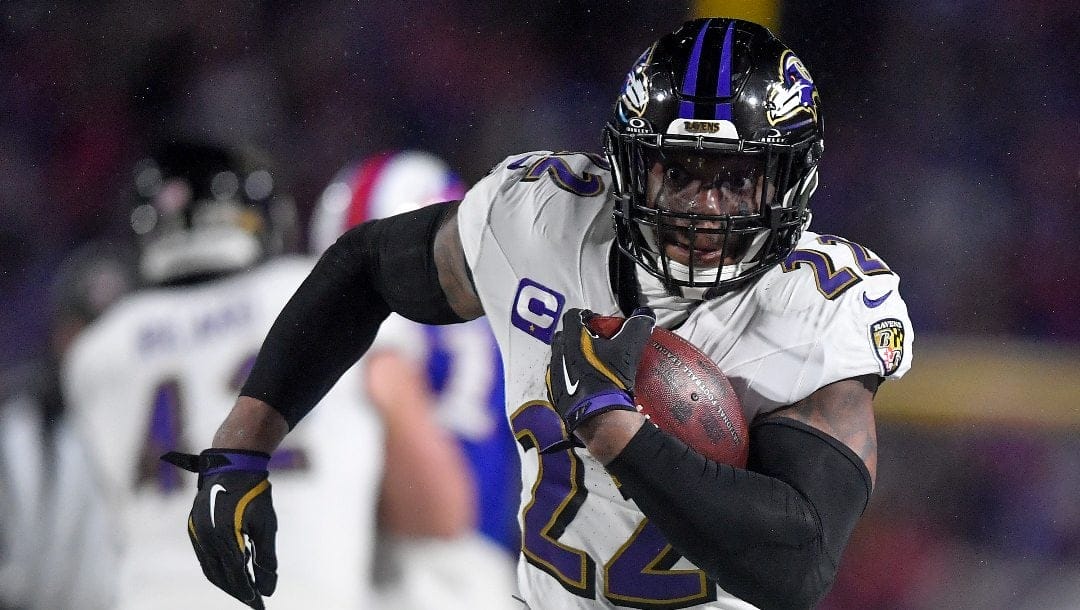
point(536, 229)
point(99, 363)
point(105, 395)
point(480, 203)
point(535, 204)
point(852, 307)
point(883, 322)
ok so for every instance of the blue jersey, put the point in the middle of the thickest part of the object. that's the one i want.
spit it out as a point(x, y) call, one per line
point(465, 371)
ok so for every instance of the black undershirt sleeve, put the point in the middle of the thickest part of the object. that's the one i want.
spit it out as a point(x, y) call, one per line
point(771, 534)
point(375, 268)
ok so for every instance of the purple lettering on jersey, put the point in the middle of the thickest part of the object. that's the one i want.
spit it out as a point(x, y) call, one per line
point(866, 262)
point(639, 575)
point(641, 570)
point(557, 496)
point(222, 320)
point(289, 458)
point(158, 336)
point(163, 434)
point(536, 309)
point(831, 282)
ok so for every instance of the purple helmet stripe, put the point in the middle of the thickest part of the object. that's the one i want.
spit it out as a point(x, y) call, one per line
point(689, 85)
point(686, 110)
point(723, 82)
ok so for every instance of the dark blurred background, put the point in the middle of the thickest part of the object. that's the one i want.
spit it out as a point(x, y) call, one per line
point(952, 150)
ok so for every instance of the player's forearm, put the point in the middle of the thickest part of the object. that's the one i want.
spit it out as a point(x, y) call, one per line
point(773, 534)
point(607, 434)
point(427, 489)
point(252, 425)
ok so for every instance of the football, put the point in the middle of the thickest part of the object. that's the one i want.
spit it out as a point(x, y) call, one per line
point(685, 393)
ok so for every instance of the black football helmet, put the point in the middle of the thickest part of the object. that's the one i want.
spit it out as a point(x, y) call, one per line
point(204, 210)
point(730, 96)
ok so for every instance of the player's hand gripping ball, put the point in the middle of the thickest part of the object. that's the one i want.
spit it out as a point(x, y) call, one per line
point(686, 394)
point(590, 374)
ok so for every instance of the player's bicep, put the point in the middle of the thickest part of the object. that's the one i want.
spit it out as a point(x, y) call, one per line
point(412, 262)
point(845, 411)
point(453, 270)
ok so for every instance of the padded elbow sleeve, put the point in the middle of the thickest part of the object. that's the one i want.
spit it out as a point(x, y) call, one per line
point(771, 534)
point(375, 268)
point(823, 470)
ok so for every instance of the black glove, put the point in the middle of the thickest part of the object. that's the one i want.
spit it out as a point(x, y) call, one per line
point(232, 521)
point(588, 374)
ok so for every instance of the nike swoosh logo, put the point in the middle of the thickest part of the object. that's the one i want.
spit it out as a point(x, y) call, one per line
point(214, 491)
point(872, 303)
point(570, 387)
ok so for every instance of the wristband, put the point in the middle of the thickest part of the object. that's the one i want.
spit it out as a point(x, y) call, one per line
point(218, 461)
point(234, 460)
point(596, 404)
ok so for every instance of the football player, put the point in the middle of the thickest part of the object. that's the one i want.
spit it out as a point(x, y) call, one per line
point(57, 547)
point(156, 372)
point(449, 492)
point(696, 218)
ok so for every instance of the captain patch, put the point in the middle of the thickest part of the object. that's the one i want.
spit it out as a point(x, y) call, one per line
point(887, 337)
point(537, 309)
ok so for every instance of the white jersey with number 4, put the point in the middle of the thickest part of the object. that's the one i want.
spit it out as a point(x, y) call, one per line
point(159, 372)
point(538, 234)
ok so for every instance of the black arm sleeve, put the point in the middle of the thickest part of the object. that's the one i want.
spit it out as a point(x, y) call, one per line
point(771, 534)
point(375, 268)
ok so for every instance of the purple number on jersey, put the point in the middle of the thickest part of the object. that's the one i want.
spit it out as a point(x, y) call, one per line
point(639, 575)
point(832, 282)
point(556, 168)
point(165, 430)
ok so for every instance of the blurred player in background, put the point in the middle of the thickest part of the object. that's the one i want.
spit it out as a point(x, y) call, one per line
point(56, 547)
point(156, 372)
point(439, 390)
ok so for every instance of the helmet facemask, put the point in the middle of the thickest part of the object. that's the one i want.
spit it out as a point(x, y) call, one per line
point(705, 214)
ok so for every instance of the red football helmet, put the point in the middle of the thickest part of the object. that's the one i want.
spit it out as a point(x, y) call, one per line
point(379, 186)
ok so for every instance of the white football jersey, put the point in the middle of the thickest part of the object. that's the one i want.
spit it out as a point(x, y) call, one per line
point(159, 372)
point(537, 233)
point(22, 476)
